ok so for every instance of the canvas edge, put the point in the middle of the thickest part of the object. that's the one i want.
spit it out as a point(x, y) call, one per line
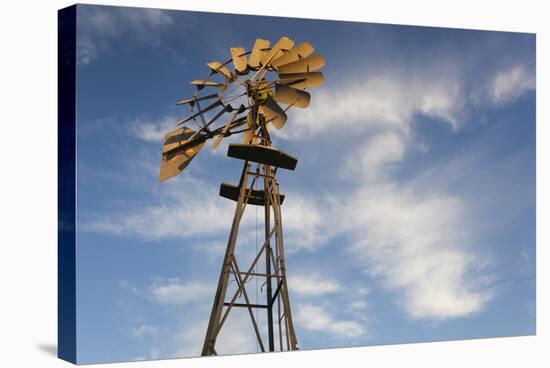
point(66, 187)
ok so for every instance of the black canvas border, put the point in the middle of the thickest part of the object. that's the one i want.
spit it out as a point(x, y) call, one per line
point(66, 187)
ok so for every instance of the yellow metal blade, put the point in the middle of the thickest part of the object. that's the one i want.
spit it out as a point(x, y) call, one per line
point(206, 83)
point(299, 52)
point(273, 113)
point(220, 68)
point(257, 53)
point(306, 65)
point(284, 43)
point(175, 164)
point(302, 80)
point(239, 59)
point(291, 96)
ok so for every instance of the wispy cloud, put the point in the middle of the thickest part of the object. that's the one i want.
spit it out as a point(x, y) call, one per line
point(388, 100)
point(174, 291)
point(317, 319)
point(509, 84)
point(190, 339)
point(417, 243)
point(152, 131)
point(347, 322)
point(303, 223)
point(144, 330)
point(125, 284)
point(99, 27)
point(184, 213)
point(313, 285)
point(413, 238)
point(374, 159)
point(191, 300)
point(236, 337)
point(190, 208)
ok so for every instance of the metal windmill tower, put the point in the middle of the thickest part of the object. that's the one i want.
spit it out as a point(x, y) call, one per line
point(249, 85)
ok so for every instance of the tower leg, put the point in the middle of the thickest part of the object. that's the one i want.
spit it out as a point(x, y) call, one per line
point(269, 291)
point(217, 308)
point(292, 342)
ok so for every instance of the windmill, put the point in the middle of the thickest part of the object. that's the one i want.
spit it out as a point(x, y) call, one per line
point(246, 91)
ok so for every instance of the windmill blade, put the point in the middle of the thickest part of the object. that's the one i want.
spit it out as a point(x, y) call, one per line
point(291, 96)
point(203, 83)
point(239, 59)
point(219, 68)
point(249, 137)
point(306, 65)
point(226, 108)
point(194, 99)
point(219, 138)
point(172, 167)
point(302, 80)
point(207, 108)
point(284, 43)
point(206, 83)
point(257, 53)
point(173, 164)
point(199, 82)
point(176, 138)
point(299, 52)
point(273, 113)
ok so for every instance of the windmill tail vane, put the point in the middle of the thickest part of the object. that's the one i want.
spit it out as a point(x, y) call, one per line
point(240, 99)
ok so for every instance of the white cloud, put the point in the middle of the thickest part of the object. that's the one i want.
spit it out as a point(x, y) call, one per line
point(509, 84)
point(373, 159)
point(387, 101)
point(143, 330)
point(313, 285)
point(417, 243)
point(99, 27)
point(189, 208)
point(236, 336)
point(303, 223)
point(173, 291)
point(154, 353)
point(214, 249)
point(153, 131)
point(125, 284)
point(358, 305)
point(190, 339)
point(316, 318)
point(192, 209)
point(414, 238)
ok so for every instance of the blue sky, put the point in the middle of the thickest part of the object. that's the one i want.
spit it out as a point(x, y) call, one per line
point(410, 216)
